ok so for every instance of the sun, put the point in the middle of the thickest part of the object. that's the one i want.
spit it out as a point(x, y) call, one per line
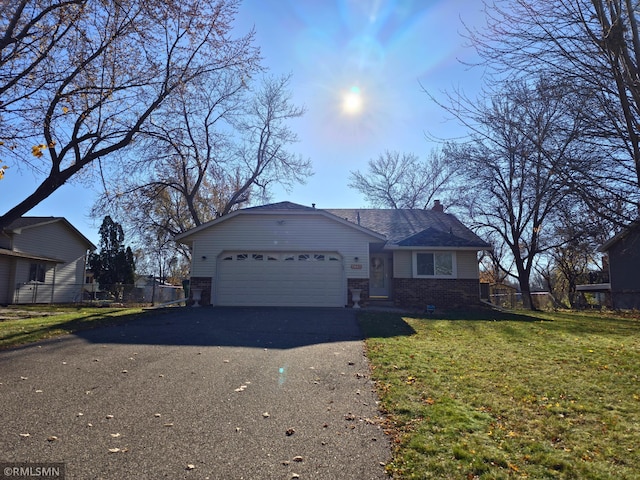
point(352, 101)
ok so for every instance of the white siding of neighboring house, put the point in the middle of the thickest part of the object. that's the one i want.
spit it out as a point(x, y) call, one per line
point(52, 240)
point(280, 233)
point(5, 265)
point(466, 264)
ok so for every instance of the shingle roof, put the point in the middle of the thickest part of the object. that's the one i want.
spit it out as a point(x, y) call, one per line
point(26, 222)
point(413, 227)
point(289, 206)
point(23, 222)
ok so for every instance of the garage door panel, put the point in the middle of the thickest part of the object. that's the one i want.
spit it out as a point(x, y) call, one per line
point(287, 279)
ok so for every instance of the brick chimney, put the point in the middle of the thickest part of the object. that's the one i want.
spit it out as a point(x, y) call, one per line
point(437, 206)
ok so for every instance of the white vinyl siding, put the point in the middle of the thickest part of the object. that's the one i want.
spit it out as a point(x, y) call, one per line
point(5, 290)
point(52, 240)
point(402, 264)
point(467, 264)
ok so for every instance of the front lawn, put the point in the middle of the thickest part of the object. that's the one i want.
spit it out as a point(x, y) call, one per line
point(19, 325)
point(496, 396)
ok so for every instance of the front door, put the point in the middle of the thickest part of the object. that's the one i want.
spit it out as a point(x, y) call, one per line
point(380, 275)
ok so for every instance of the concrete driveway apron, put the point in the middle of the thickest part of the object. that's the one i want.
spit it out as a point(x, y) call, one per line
point(210, 393)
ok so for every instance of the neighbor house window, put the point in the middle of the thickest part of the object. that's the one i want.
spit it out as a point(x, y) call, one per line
point(433, 264)
point(36, 272)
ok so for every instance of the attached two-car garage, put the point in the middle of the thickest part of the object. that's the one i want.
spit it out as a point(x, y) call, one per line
point(258, 278)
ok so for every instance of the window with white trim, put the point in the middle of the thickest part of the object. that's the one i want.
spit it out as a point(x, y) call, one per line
point(37, 272)
point(434, 264)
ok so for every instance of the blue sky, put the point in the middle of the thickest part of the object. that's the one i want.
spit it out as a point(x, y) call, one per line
point(358, 66)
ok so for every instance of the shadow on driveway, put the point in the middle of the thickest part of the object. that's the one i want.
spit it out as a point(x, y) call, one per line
point(267, 327)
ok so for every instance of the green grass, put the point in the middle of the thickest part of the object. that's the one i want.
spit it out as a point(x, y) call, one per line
point(30, 324)
point(500, 396)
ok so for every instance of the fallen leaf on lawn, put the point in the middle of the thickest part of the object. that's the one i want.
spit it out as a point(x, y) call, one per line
point(266, 415)
point(191, 466)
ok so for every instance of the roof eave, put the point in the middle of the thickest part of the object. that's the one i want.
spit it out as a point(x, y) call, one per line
point(438, 247)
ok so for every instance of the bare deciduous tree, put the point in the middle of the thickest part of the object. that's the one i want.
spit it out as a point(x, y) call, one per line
point(594, 47)
point(206, 156)
point(523, 141)
point(402, 180)
point(81, 79)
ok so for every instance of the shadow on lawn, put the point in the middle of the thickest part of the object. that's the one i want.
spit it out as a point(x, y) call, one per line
point(384, 325)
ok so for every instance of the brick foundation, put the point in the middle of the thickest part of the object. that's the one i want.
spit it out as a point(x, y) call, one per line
point(443, 293)
point(362, 284)
point(203, 283)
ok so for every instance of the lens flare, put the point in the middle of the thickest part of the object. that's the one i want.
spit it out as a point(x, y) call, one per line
point(352, 101)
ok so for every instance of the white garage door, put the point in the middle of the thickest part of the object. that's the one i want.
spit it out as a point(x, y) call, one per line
point(280, 279)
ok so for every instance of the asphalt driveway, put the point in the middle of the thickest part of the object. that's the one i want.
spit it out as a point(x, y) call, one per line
point(209, 393)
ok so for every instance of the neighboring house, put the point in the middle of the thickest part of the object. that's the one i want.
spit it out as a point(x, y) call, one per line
point(42, 260)
point(285, 254)
point(623, 251)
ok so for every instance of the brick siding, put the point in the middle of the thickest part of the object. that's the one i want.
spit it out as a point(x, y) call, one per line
point(443, 293)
